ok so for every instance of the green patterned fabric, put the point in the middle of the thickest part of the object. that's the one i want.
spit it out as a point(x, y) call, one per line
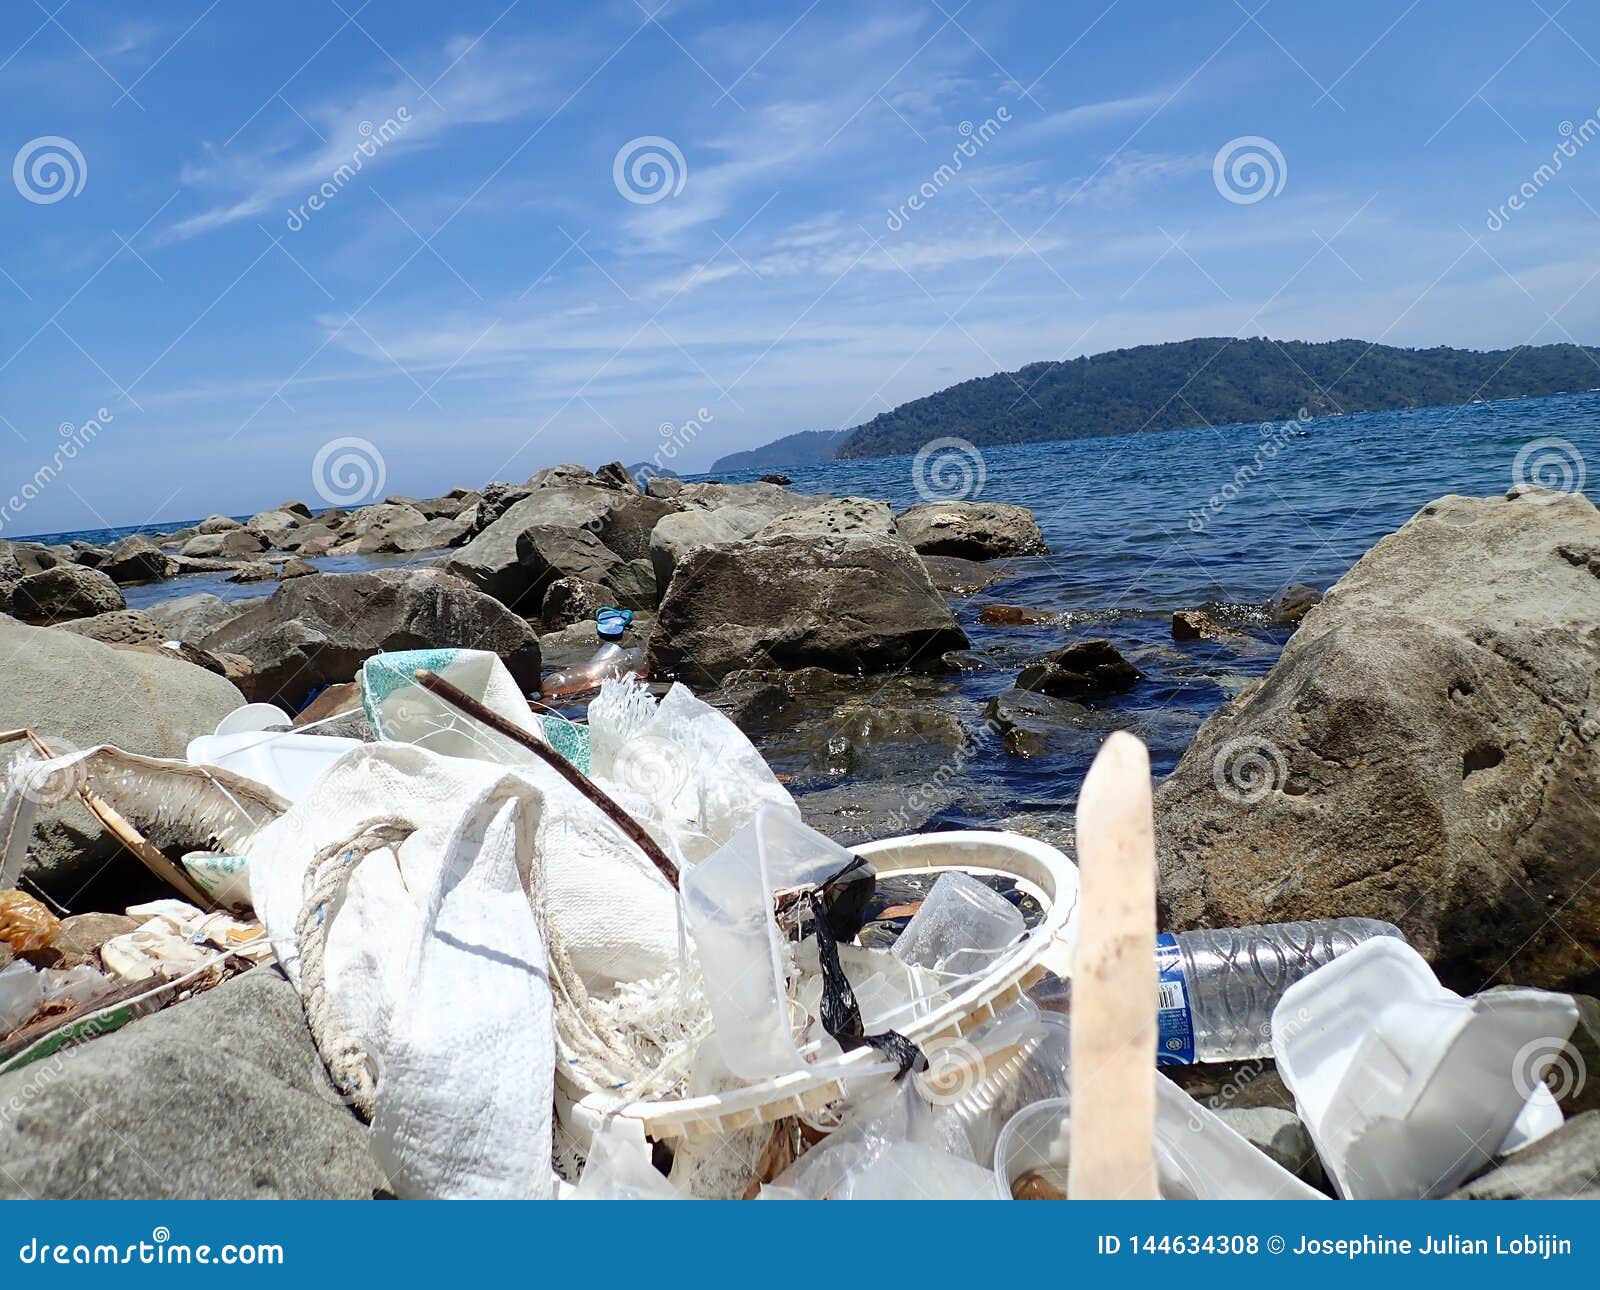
point(386, 674)
point(571, 741)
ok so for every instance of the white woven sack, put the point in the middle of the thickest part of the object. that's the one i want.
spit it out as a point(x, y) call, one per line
point(435, 962)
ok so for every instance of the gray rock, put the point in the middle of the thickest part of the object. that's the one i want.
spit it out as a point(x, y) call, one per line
point(75, 692)
point(137, 559)
point(119, 627)
point(1280, 1135)
point(220, 1098)
point(835, 515)
point(295, 508)
point(273, 526)
point(1425, 752)
point(64, 591)
point(770, 498)
point(1032, 725)
point(311, 539)
point(1085, 669)
point(957, 577)
point(89, 555)
point(217, 524)
point(1563, 1166)
point(376, 528)
point(188, 618)
point(563, 476)
point(615, 475)
point(571, 600)
point(850, 603)
point(295, 567)
point(316, 631)
point(1293, 603)
point(228, 544)
point(664, 486)
point(253, 571)
point(516, 568)
point(33, 557)
point(674, 536)
point(972, 530)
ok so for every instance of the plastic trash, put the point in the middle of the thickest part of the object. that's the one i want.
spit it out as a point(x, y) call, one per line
point(21, 993)
point(619, 1167)
point(25, 923)
point(728, 908)
point(610, 622)
point(1219, 986)
point(961, 928)
point(608, 662)
point(286, 762)
point(1198, 1157)
point(252, 717)
point(401, 711)
point(1406, 1087)
point(225, 878)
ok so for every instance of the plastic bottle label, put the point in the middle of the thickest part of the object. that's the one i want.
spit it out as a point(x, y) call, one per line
point(1175, 1022)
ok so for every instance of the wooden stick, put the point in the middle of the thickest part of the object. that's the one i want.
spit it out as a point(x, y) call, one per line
point(464, 702)
point(1114, 981)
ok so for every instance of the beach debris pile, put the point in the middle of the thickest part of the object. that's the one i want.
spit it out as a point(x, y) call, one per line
point(603, 958)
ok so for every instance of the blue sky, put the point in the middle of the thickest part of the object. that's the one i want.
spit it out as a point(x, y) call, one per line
point(495, 287)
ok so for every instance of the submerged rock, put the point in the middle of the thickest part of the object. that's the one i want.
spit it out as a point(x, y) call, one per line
point(1085, 669)
point(317, 631)
point(223, 1097)
point(857, 603)
point(1426, 751)
point(972, 530)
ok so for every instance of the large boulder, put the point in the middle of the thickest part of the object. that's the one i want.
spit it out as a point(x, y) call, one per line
point(1426, 751)
point(62, 592)
point(136, 559)
point(272, 527)
point(119, 627)
point(226, 544)
point(318, 631)
point(834, 515)
point(223, 1097)
point(971, 530)
point(854, 603)
point(676, 535)
point(188, 618)
point(76, 692)
point(217, 524)
point(601, 535)
point(375, 528)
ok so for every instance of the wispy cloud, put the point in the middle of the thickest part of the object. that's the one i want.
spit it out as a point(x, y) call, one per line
point(471, 86)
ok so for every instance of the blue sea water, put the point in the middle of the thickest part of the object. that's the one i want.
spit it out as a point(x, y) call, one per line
point(1139, 526)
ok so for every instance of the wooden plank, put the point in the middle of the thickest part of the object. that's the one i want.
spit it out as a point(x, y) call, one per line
point(1114, 981)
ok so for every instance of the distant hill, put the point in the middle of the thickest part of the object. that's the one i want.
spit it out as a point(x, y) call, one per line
point(802, 449)
point(1213, 380)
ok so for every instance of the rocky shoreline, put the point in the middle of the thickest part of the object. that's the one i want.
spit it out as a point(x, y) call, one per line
point(1423, 752)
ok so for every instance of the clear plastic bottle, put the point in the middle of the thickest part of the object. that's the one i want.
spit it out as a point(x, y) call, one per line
point(1219, 986)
